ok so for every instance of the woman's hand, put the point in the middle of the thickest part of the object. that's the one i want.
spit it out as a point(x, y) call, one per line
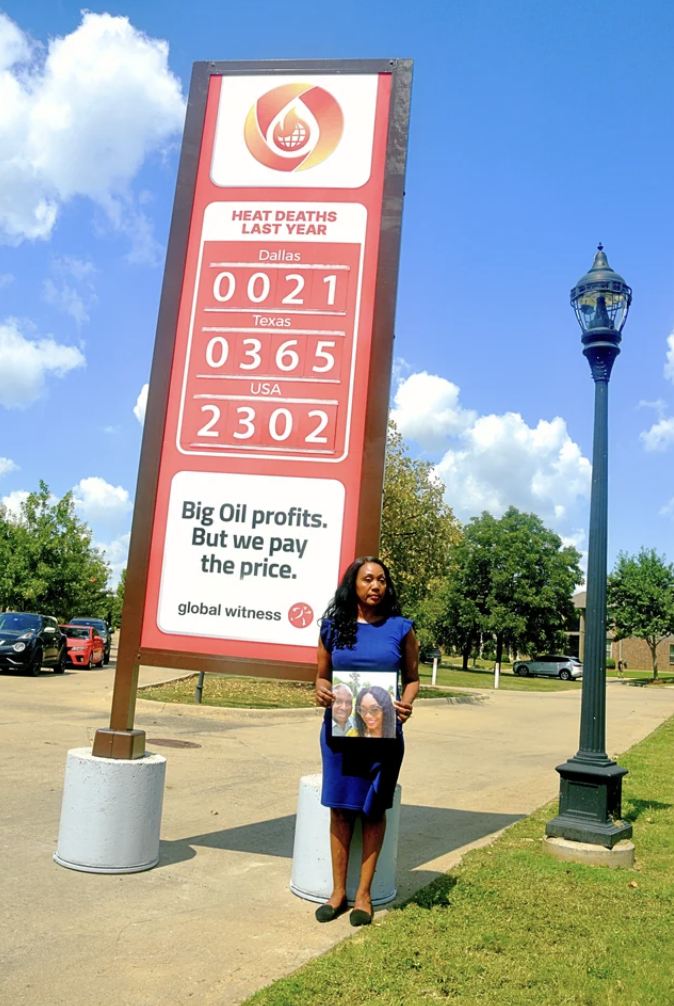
point(324, 695)
point(404, 710)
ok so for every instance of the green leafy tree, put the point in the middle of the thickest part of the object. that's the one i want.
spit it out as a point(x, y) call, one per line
point(418, 528)
point(118, 601)
point(640, 599)
point(8, 557)
point(510, 580)
point(56, 569)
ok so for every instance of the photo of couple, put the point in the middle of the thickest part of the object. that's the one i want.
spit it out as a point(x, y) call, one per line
point(363, 709)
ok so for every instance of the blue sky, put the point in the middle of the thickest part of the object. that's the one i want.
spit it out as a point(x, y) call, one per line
point(537, 130)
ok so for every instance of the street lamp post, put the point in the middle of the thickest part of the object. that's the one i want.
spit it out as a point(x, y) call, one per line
point(591, 782)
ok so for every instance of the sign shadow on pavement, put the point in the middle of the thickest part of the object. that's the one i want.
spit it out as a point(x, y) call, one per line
point(426, 835)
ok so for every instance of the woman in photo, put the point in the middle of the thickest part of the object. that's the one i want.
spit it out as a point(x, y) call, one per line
point(375, 713)
point(363, 631)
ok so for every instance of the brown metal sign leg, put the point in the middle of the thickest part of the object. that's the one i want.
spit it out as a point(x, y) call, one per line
point(121, 740)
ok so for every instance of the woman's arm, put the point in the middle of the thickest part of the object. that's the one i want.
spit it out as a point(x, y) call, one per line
point(324, 694)
point(410, 676)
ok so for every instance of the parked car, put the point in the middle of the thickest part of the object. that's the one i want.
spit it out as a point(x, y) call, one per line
point(550, 666)
point(102, 628)
point(85, 646)
point(428, 654)
point(29, 642)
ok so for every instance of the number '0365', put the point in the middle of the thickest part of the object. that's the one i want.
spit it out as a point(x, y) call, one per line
point(286, 357)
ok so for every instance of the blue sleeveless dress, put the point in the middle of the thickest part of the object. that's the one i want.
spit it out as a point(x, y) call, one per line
point(360, 774)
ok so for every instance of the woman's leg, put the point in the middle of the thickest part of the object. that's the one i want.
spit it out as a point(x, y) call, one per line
point(341, 830)
point(373, 839)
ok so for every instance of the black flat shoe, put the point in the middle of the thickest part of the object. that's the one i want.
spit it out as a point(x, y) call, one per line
point(326, 913)
point(360, 918)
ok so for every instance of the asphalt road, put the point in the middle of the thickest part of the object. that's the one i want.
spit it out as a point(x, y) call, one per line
point(215, 920)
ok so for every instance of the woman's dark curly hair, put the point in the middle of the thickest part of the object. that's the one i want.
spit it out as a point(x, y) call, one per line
point(343, 609)
point(386, 703)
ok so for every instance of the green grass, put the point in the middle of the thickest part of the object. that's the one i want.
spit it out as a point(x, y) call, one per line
point(664, 679)
point(513, 927)
point(237, 693)
point(450, 674)
point(251, 693)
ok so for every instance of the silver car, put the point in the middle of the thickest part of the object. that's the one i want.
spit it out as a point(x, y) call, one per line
point(550, 666)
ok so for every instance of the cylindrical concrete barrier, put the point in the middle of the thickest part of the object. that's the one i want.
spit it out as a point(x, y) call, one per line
point(312, 866)
point(111, 813)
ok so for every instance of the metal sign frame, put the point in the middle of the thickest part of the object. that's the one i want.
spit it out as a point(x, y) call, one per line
point(121, 740)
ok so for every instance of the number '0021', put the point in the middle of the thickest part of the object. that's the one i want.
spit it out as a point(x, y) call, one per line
point(259, 286)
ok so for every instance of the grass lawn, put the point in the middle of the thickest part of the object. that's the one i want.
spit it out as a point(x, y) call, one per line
point(512, 927)
point(483, 677)
point(250, 693)
point(237, 693)
point(663, 679)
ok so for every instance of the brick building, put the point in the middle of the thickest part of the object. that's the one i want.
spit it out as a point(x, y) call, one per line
point(634, 651)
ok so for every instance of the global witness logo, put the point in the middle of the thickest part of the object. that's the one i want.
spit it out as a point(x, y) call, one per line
point(294, 127)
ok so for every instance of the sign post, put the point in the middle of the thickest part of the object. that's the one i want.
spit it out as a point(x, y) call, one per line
point(261, 467)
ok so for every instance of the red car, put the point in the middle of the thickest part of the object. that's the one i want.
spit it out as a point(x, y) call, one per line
point(85, 648)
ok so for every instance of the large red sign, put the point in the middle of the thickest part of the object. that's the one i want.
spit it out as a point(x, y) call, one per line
point(261, 464)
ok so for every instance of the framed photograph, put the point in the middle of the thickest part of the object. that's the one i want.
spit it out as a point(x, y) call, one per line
point(363, 705)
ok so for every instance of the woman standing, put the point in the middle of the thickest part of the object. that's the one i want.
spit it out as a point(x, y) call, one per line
point(362, 631)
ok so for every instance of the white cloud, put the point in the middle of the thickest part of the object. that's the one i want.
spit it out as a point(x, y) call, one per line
point(116, 553)
point(6, 279)
point(668, 509)
point(492, 462)
point(80, 120)
point(141, 404)
point(97, 500)
point(426, 409)
point(669, 359)
point(13, 502)
point(7, 466)
point(660, 436)
point(73, 292)
point(25, 364)
point(504, 462)
point(660, 406)
point(66, 299)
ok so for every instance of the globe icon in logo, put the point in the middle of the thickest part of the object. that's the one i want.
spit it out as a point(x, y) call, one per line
point(294, 126)
point(292, 133)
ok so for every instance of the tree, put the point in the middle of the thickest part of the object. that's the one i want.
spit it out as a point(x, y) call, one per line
point(640, 599)
point(510, 579)
point(8, 556)
point(55, 567)
point(118, 601)
point(418, 528)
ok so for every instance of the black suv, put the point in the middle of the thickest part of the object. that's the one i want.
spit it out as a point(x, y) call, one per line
point(29, 642)
point(102, 628)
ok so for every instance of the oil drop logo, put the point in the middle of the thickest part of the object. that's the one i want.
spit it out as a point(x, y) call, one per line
point(294, 127)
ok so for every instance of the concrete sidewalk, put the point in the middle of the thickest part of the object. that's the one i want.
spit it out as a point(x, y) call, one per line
point(215, 920)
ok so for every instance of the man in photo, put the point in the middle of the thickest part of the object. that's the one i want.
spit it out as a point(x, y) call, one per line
point(342, 708)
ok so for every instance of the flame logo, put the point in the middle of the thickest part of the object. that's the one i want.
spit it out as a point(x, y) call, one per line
point(294, 127)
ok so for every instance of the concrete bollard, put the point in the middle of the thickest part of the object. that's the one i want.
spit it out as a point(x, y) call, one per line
point(311, 877)
point(111, 813)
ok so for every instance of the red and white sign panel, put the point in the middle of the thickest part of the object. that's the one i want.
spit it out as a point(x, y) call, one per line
point(261, 464)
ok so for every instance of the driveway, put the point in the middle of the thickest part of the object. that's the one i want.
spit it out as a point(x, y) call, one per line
point(214, 921)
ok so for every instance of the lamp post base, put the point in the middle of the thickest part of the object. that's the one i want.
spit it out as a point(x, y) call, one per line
point(621, 854)
point(590, 804)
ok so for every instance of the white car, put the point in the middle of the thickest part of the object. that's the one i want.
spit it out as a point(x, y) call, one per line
point(550, 666)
